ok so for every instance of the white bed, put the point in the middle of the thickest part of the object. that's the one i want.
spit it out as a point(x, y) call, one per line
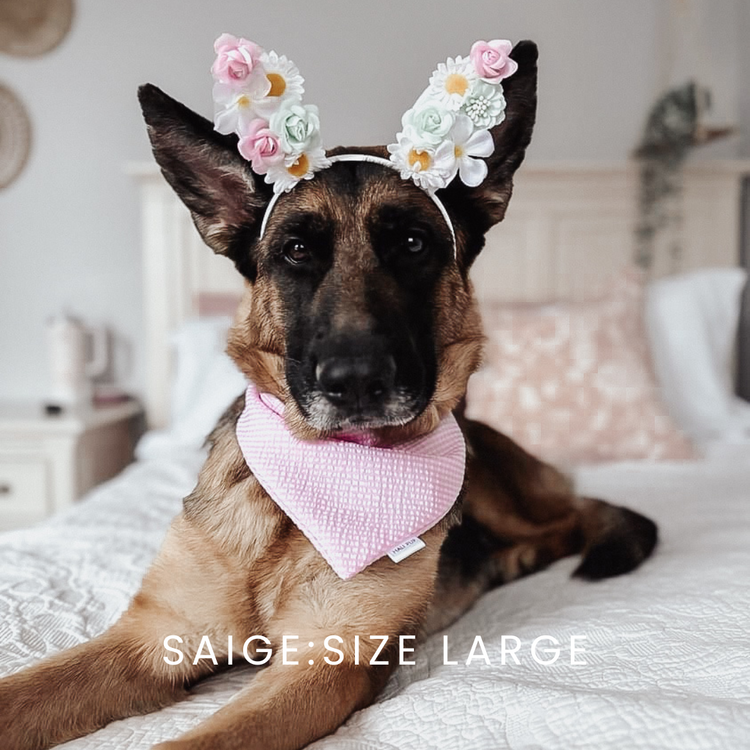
point(667, 662)
point(666, 648)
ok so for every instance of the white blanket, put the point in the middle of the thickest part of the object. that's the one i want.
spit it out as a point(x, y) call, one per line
point(666, 648)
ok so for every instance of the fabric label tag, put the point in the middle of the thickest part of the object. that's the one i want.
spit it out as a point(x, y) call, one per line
point(406, 549)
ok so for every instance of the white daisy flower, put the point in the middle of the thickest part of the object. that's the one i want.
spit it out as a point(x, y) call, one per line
point(430, 168)
point(467, 144)
point(485, 105)
point(286, 84)
point(234, 108)
point(452, 81)
point(303, 166)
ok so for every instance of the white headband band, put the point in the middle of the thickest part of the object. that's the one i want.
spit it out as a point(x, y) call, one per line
point(373, 160)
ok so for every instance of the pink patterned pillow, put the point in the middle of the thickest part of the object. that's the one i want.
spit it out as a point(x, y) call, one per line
point(573, 383)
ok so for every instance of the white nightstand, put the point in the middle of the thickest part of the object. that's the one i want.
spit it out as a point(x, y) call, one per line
point(48, 462)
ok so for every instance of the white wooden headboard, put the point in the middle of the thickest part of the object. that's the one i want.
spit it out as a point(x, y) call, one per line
point(569, 229)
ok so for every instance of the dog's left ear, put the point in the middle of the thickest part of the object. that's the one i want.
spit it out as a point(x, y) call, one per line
point(226, 199)
point(481, 207)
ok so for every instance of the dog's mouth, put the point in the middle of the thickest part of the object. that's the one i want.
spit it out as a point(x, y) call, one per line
point(395, 409)
point(357, 393)
point(356, 383)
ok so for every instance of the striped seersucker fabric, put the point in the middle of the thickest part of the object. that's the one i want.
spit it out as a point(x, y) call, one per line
point(354, 502)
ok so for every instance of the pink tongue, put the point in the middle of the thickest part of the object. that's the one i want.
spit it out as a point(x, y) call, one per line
point(355, 502)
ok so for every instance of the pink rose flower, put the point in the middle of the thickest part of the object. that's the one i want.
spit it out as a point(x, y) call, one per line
point(235, 59)
point(492, 60)
point(260, 146)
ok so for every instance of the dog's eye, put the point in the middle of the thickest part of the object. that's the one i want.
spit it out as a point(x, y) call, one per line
point(414, 243)
point(296, 252)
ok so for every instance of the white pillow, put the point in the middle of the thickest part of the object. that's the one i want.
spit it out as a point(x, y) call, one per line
point(197, 346)
point(206, 381)
point(692, 326)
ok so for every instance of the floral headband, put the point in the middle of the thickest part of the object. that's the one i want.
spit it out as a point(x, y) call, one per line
point(446, 134)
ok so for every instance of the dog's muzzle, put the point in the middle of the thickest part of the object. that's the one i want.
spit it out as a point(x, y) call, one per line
point(354, 382)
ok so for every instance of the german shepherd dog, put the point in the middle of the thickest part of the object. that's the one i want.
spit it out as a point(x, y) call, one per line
point(356, 267)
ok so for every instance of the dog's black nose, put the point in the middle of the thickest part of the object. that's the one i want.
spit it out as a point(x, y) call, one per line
point(352, 381)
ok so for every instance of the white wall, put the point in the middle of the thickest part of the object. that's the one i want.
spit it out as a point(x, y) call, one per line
point(69, 235)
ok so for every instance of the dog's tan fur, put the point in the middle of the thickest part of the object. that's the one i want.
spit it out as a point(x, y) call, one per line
point(234, 564)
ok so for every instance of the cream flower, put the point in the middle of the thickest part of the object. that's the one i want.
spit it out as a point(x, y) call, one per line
point(427, 123)
point(298, 127)
point(485, 105)
point(296, 167)
point(430, 168)
point(467, 144)
point(234, 109)
point(286, 83)
point(452, 81)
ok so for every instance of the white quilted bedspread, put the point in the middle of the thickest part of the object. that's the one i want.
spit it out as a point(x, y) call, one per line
point(667, 648)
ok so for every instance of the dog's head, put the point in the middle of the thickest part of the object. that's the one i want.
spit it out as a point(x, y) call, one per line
point(357, 313)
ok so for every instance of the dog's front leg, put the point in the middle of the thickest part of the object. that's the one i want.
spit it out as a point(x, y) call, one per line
point(123, 672)
point(80, 690)
point(286, 707)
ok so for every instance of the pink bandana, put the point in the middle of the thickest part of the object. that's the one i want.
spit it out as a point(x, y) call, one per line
point(354, 502)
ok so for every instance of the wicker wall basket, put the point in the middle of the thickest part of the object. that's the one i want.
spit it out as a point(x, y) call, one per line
point(15, 136)
point(33, 27)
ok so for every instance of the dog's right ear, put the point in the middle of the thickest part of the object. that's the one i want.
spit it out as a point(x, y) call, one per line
point(226, 199)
